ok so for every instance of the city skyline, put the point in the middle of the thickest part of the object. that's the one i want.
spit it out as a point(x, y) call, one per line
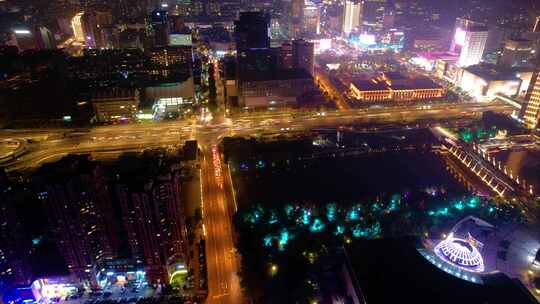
point(276, 151)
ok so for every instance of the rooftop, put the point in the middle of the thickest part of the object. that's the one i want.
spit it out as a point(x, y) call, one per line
point(285, 74)
point(67, 168)
point(393, 271)
point(438, 55)
point(395, 81)
point(492, 72)
point(113, 92)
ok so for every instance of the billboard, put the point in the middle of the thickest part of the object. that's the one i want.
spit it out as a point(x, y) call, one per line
point(391, 40)
point(180, 39)
point(459, 37)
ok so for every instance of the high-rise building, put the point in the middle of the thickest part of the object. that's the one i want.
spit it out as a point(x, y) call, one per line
point(80, 213)
point(311, 19)
point(88, 27)
point(257, 61)
point(12, 243)
point(44, 38)
point(26, 38)
point(531, 114)
point(296, 16)
point(286, 56)
point(251, 31)
point(153, 218)
point(76, 24)
point(172, 61)
point(469, 41)
point(303, 55)
point(352, 14)
point(253, 52)
point(92, 37)
point(160, 25)
point(373, 12)
point(517, 52)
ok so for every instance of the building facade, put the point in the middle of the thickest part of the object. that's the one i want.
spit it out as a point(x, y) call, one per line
point(153, 217)
point(517, 52)
point(531, 114)
point(304, 55)
point(394, 87)
point(80, 213)
point(469, 41)
point(352, 15)
point(280, 88)
point(115, 104)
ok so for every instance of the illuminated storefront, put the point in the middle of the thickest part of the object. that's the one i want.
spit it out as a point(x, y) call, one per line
point(48, 289)
point(391, 40)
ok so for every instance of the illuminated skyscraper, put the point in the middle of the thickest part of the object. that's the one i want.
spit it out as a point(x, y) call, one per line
point(531, 115)
point(76, 24)
point(352, 14)
point(311, 19)
point(469, 41)
point(286, 56)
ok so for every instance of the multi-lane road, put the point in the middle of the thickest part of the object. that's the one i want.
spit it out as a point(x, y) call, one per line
point(49, 145)
point(222, 263)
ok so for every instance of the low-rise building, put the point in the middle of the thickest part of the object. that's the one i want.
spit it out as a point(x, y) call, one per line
point(396, 87)
point(279, 88)
point(488, 81)
point(517, 53)
point(115, 104)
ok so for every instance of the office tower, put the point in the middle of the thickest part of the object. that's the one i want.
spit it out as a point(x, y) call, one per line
point(253, 61)
point(253, 53)
point(44, 38)
point(172, 61)
point(153, 218)
point(311, 19)
point(87, 28)
point(536, 27)
point(296, 16)
point(352, 14)
point(469, 41)
point(516, 53)
point(78, 206)
point(90, 30)
point(286, 56)
point(160, 25)
point(531, 114)
point(251, 31)
point(212, 8)
point(303, 55)
point(374, 11)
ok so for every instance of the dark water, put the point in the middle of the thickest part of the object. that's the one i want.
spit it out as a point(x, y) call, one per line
point(342, 179)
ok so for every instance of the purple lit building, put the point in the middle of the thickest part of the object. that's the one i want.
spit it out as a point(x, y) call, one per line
point(80, 213)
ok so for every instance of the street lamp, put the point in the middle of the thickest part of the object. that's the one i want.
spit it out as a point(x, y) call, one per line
point(273, 269)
